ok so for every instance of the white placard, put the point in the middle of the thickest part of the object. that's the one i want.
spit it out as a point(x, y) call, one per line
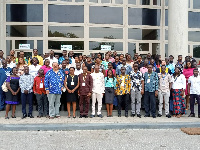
point(24, 46)
point(106, 47)
point(66, 47)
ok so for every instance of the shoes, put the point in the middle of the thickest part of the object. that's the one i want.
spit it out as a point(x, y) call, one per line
point(159, 115)
point(80, 116)
point(154, 116)
point(133, 115)
point(100, 116)
point(111, 116)
point(86, 116)
point(51, 117)
point(198, 116)
point(92, 116)
point(7, 117)
point(126, 115)
point(191, 115)
point(119, 115)
point(58, 117)
point(146, 115)
point(13, 116)
point(30, 115)
point(168, 116)
point(74, 117)
point(24, 116)
point(139, 116)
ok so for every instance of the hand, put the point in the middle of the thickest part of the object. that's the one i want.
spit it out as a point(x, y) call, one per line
point(69, 91)
point(62, 88)
point(182, 93)
point(142, 92)
point(89, 94)
point(25, 91)
point(156, 93)
point(13, 93)
point(72, 91)
point(47, 91)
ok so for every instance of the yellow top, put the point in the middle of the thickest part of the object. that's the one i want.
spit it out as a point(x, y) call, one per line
point(39, 58)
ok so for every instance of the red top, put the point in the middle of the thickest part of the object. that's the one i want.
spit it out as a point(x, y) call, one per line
point(37, 87)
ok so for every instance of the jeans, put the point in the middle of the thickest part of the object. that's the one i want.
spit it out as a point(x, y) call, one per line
point(43, 104)
point(54, 104)
point(2, 99)
point(136, 101)
point(150, 103)
point(192, 102)
point(24, 98)
point(166, 96)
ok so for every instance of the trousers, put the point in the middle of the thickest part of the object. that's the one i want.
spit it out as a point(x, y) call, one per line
point(96, 98)
point(166, 96)
point(24, 98)
point(150, 103)
point(2, 99)
point(54, 104)
point(192, 102)
point(136, 101)
point(84, 99)
point(43, 104)
point(122, 98)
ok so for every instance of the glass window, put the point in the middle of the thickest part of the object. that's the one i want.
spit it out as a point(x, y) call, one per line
point(65, 31)
point(8, 46)
point(196, 4)
point(119, 1)
point(40, 46)
point(132, 1)
point(156, 48)
point(105, 1)
point(166, 17)
point(76, 45)
point(66, 0)
point(145, 2)
point(166, 2)
point(24, 13)
point(131, 48)
point(106, 33)
point(188, 48)
point(66, 13)
point(144, 34)
point(143, 16)
point(94, 1)
point(166, 50)
point(143, 46)
point(24, 31)
point(194, 19)
point(196, 51)
point(118, 46)
point(166, 34)
point(194, 36)
point(17, 42)
point(79, 0)
point(156, 2)
point(106, 15)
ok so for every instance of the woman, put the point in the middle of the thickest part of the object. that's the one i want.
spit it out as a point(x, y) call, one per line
point(178, 87)
point(105, 62)
point(71, 84)
point(187, 72)
point(46, 66)
point(20, 66)
point(12, 96)
point(34, 67)
point(116, 63)
point(121, 58)
point(110, 86)
point(129, 60)
point(98, 63)
point(110, 67)
point(88, 64)
point(100, 57)
point(158, 60)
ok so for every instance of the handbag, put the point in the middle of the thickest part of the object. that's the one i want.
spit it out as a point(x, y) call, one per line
point(4, 87)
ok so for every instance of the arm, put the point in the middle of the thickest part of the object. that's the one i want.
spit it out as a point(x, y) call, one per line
point(34, 86)
point(31, 83)
point(21, 83)
point(8, 86)
point(129, 84)
point(156, 85)
point(188, 89)
point(76, 86)
point(142, 92)
point(65, 84)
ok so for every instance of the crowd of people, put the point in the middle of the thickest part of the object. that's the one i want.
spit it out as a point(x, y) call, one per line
point(54, 83)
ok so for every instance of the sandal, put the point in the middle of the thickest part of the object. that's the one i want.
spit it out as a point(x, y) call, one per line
point(7, 117)
point(13, 116)
point(74, 117)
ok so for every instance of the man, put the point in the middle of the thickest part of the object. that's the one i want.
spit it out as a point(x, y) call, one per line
point(114, 54)
point(52, 58)
point(85, 92)
point(1, 57)
point(149, 57)
point(139, 62)
point(12, 56)
point(78, 69)
point(137, 90)
point(170, 66)
point(180, 63)
point(151, 91)
point(165, 85)
point(21, 55)
point(54, 85)
point(127, 66)
point(71, 58)
point(159, 70)
point(10, 63)
point(123, 90)
point(135, 57)
point(26, 84)
point(98, 90)
point(171, 60)
point(61, 59)
point(194, 91)
point(39, 91)
point(35, 54)
point(64, 68)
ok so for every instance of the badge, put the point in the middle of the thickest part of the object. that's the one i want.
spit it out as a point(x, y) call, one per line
point(163, 83)
point(72, 83)
point(41, 85)
point(148, 80)
point(137, 81)
point(83, 84)
point(122, 84)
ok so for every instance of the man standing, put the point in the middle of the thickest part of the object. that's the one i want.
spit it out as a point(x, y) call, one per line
point(180, 63)
point(151, 91)
point(10, 63)
point(165, 84)
point(85, 92)
point(123, 90)
point(12, 56)
point(98, 90)
point(26, 85)
point(54, 85)
point(35, 54)
point(169, 65)
point(52, 58)
point(137, 90)
point(127, 66)
point(194, 90)
point(61, 59)
point(78, 69)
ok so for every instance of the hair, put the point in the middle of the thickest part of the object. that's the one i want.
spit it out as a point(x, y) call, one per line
point(45, 61)
point(112, 75)
point(18, 62)
point(71, 68)
point(175, 72)
point(35, 49)
point(171, 56)
point(32, 60)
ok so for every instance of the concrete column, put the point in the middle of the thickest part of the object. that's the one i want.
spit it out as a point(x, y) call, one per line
point(178, 28)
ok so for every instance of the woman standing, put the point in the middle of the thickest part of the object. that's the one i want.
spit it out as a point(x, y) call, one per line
point(129, 60)
point(20, 66)
point(34, 67)
point(110, 67)
point(110, 86)
point(12, 96)
point(178, 87)
point(116, 63)
point(187, 72)
point(71, 83)
point(105, 62)
point(98, 63)
point(46, 66)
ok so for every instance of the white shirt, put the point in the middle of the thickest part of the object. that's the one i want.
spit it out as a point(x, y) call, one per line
point(52, 60)
point(33, 70)
point(179, 82)
point(98, 83)
point(11, 65)
point(195, 84)
point(77, 72)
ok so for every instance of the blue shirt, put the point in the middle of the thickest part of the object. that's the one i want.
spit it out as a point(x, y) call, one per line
point(3, 77)
point(127, 66)
point(65, 71)
point(54, 81)
point(115, 65)
point(7, 71)
point(110, 82)
point(171, 67)
point(61, 59)
point(152, 86)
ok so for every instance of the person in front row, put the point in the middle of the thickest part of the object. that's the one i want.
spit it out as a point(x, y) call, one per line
point(85, 92)
point(53, 83)
point(165, 85)
point(26, 85)
point(39, 91)
point(151, 91)
point(194, 91)
point(97, 91)
point(71, 84)
point(123, 87)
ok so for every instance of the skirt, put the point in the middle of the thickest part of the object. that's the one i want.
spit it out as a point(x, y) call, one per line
point(109, 95)
point(72, 97)
point(178, 102)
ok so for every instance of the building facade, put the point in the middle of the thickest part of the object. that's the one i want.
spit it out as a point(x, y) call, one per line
point(128, 26)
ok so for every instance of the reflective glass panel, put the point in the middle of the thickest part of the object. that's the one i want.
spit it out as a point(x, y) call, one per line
point(131, 48)
point(194, 19)
point(79, 0)
point(107, 33)
point(166, 34)
point(76, 45)
point(143, 16)
point(196, 51)
point(144, 34)
point(196, 4)
point(106, 15)
point(166, 2)
point(118, 46)
point(145, 2)
point(143, 46)
point(65, 31)
point(157, 2)
point(8, 46)
point(17, 42)
point(24, 13)
point(66, 0)
point(119, 1)
point(194, 36)
point(166, 50)
point(66, 13)
point(24, 31)
point(94, 1)
point(105, 1)
point(132, 1)
point(40, 46)
point(166, 17)
point(156, 48)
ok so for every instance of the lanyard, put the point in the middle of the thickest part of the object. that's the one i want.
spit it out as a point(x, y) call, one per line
point(72, 78)
point(176, 78)
point(149, 75)
point(164, 76)
point(84, 77)
point(41, 79)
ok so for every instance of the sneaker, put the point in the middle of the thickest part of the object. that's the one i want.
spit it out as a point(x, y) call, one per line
point(191, 115)
point(86, 116)
point(146, 115)
point(100, 115)
point(92, 116)
point(126, 115)
point(24, 116)
point(168, 116)
point(119, 115)
point(154, 116)
point(159, 115)
point(30, 115)
point(133, 115)
point(139, 116)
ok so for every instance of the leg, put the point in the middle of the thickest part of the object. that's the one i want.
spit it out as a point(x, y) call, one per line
point(160, 97)
point(7, 110)
point(81, 104)
point(74, 109)
point(198, 101)
point(119, 97)
point(94, 97)
point(68, 108)
point(187, 102)
point(51, 99)
point(138, 102)
point(153, 103)
point(57, 105)
point(87, 105)
point(99, 100)
point(23, 99)
point(30, 101)
point(133, 93)
point(13, 110)
point(166, 97)
point(192, 101)
point(111, 109)
point(126, 99)
point(39, 98)
point(146, 103)
point(108, 109)
point(46, 107)
point(2, 99)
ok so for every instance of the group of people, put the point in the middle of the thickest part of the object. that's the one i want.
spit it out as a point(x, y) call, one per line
point(52, 82)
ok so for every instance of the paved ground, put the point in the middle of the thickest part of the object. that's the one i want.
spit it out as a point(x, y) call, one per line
point(99, 139)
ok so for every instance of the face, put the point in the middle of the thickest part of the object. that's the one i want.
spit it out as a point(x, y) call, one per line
point(124, 61)
point(41, 72)
point(64, 64)
point(51, 53)
point(35, 61)
point(152, 61)
point(110, 66)
point(163, 68)
point(148, 56)
point(163, 63)
point(109, 73)
point(196, 72)
point(71, 71)
point(123, 70)
point(89, 59)
point(80, 58)
point(177, 71)
point(70, 54)
point(179, 57)
point(78, 66)
point(8, 59)
point(114, 53)
point(15, 71)
point(47, 62)
point(1, 53)
point(55, 66)
point(139, 58)
point(96, 68)
point(189, 64)
point(121, 57)
point(26, 70)
point(46, 55)
point(107, 57)
point(76, 59)
point(99, 56)
point(67, 60)
point(12, 53)
point(129, 57)
point(117, 58)
point(57, 56)
point(21, 60)
point(98, 61)
point(135, 66)
point(149, 68)
point(4, 63)
point(84, 58)
point(195, 64)
point(136, 55)
point(84, 70)
point(167, 60)
point(35, 52)
point(21, 54)
point(146, 61)
point(171, 59)
point(64, 53)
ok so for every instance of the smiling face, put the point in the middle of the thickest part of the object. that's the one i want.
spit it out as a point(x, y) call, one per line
point(8, 59)
point(35, 52)
point(189, 64)
point(110, 73)
point(47, 62)
point(15, 71)
point(12, 53)
point(71, 70)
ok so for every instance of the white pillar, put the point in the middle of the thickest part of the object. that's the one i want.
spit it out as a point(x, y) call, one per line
point(178, 28)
